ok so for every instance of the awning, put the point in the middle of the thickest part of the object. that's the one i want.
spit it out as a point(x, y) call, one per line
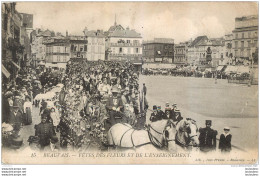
point(5, 72)
point(220, 67)
point(231, 68)
point(16, 65)
point(243, 69)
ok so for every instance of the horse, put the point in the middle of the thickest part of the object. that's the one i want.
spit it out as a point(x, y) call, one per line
point(159, 135)
point(186, 134)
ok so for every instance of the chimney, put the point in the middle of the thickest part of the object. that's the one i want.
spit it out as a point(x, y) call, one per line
point(67, 33)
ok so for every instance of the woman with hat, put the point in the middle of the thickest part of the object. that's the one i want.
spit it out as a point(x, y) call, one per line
point(27, 111)
point(225, 140)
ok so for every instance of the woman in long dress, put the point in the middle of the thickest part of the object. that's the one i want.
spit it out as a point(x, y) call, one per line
point(27, 111)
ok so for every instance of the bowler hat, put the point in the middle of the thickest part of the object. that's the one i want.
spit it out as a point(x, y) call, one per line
point(208, 122)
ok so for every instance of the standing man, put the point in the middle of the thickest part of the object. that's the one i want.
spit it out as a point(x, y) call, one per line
point(144, 89)
point(154, 115)
point(207, 138)
point(15, 119)
point(44, 131)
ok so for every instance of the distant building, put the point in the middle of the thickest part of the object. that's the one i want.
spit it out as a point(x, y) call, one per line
point(38, 49)
point(95, 44)
point(228, 53)
point(12, 49)
point(160, 50)
point(26, 29)
point(78, 46)
point(245, 37)
point(123, 44)
point(206, 52)
point(181, 53)
point(57, 52)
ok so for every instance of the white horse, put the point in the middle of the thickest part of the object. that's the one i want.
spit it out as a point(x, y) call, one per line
point(186, 134)
point(160, 135)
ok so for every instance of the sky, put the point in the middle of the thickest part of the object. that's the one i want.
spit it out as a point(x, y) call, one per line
point(181, 21)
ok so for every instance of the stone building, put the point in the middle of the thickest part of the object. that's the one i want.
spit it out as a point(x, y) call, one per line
point(12, 50)
point(123, 44)
point(160, 50)
point(245, 37)
point(95, 44)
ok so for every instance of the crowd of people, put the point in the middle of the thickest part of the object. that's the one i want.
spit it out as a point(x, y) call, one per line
point(86, 100)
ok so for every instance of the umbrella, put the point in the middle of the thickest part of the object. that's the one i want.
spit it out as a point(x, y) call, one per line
point(39, 97)
point(60, 85)
point(56, 89)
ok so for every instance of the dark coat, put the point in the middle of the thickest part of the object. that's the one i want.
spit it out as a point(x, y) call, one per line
point(44, 131)
point(15, 118)
point(117, 102)
point(207, 139)
point(162, 115)
point(155, 117)
point(225, 143)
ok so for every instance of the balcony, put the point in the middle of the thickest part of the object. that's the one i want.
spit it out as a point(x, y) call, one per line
point(125, 45)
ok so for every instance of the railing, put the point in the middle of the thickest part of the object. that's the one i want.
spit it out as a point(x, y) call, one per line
point(126, 44)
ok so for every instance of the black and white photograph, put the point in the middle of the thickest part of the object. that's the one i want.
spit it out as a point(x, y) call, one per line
point(130, 83)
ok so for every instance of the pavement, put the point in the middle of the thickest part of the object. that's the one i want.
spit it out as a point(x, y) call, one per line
point(226, 104)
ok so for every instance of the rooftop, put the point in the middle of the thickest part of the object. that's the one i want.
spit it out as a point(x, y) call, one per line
point(160, 40)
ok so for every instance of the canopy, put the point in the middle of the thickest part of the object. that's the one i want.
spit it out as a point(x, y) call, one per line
point(231, 68)
point(220, 67)
point(56, 89)
point(243, 69)
point(5, 72)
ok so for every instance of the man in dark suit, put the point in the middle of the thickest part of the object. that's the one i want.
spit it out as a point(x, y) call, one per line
point(207, 138)
point(161, 114)
point(154, 116)
point(115, 107)
point(44, 131)
point(15, 119)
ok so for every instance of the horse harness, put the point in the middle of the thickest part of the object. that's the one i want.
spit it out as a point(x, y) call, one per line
point(155, 141)
point(190, 137)
point(134, 146)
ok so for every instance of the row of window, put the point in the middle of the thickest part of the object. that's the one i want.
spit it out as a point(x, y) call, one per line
point(121, 50)
point(243, 53)
point(128, 41)
point(244, 43)
point(246, 34)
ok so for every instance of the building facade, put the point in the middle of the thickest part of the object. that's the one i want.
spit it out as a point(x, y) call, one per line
point(160, 50)
point(205, 52)
point(95, 45)
point(180, 53)
point(57, 52)
point(78, 46)
point(123, 44)
point(38, 48)
point(12, 50)
point(245, 37)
